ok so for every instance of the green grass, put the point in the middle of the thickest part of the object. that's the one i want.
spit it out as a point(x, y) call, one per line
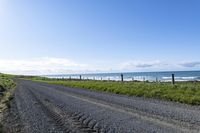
point(6, 82)
point(183, 92)
point(7, 86)
point(6, 91)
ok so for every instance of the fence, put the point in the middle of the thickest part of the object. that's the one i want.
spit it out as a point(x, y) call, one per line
point(120, 77)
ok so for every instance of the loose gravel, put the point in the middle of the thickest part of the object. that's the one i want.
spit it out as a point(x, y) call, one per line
point(41, 107)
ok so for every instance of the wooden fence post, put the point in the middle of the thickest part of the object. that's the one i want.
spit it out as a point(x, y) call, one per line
point(122, 77)
point(80, 77)
point(173, 79)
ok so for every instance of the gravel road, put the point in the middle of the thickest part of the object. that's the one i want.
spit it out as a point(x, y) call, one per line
point(43, 108)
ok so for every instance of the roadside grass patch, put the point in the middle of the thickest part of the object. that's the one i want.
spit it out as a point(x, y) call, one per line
point(7, 86)
point(6, 91)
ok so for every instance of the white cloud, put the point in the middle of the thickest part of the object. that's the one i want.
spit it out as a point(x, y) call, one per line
point(159, 65)
point(137, 65)
point(46, 66)
point(156, 65)
point(194, 64)
point(40, 66)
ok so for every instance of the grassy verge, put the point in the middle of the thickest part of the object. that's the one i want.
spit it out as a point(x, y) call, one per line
point(183, 92)
point(7, 86)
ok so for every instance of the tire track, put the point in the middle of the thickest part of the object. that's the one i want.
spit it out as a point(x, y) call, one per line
point(68, 122)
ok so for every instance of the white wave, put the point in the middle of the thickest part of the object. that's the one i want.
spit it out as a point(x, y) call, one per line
point(181, 78)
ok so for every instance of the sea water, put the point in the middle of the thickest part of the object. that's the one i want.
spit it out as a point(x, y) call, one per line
point(139, 76)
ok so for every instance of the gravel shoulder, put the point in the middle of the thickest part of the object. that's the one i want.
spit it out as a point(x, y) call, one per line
point(41, 107)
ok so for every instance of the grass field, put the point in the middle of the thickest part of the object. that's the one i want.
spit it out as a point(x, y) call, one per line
point(183, 92)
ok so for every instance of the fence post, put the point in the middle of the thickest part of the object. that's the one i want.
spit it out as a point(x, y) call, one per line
point(80, 77)
point(122, 77)
point(156, 80)
point(173, 79)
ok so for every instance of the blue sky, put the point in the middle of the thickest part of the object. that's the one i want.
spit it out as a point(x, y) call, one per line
point(98, 35)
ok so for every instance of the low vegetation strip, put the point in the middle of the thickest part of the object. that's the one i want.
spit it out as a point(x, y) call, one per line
point(6, 92)
point(6, 82)
point(6, 89)
point(183, 92)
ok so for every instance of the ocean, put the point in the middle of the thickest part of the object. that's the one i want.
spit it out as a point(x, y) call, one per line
point(139, 76)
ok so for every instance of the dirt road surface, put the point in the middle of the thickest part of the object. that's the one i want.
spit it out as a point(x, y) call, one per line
point(42, 108)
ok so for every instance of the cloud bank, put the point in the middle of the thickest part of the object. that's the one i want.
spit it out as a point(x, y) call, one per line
point(159, 66)
point(48, 66)
point(191, 64)
point(142, 65)
point(41, 66)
